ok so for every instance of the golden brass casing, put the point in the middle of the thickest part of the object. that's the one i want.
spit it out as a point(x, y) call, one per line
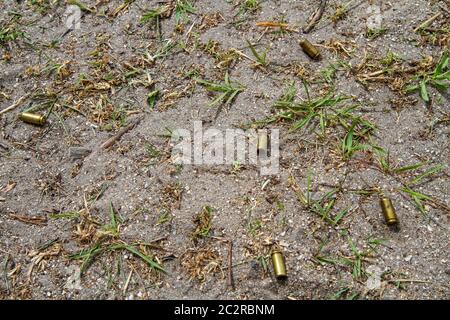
point(388, 211)
point(279, 268)
point(310, 49)
point(32, 118)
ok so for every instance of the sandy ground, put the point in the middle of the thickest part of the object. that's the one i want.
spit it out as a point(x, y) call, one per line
point(97, 78)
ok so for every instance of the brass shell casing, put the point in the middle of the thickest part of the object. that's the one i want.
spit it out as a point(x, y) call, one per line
point(310, 49)
point(32, 118)
point(279, 267)
point(388, 211)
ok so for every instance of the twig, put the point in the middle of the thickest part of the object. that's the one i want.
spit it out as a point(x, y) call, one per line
point(120, 8)
point(188, 33)
point(108, 143)
point(15, 104)
point(230, 281)
point(427, 22)
point(30, 220)
point(409, 280)
point(4, 146)
point(271, 24)
point(127, 282)
point(244, 55)
point(158, 239)
point(315, 17)
point(5, 273)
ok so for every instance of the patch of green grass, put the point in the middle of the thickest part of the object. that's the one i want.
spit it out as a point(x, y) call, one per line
point(228, 90)
point(305, 112)
point(41, 6)
point(182, 9)
point(152, 97)
point(117, 118)
point(261, 58)
point(87, 256)
point(375, 33)
point(43, 100)
point(439, 79)
point(203, 223)
point(325, 111)
point(236, 167)
point(324, 258)
point(341, 11)
point(57, 68)
point(113, 227)
point(383, 158)
point(323, 206)
point(98, 194)
point(164, 216)
point(373, 243)
point(152, 152)
point(148, 259)
point(110, 241)
point(350, 144)
point(344, 293)
point(9, 33)
point(418, 197)
point(253, 226)
point(249, 6)
point(433, 170)
point(154, 14)
point(356, 262)
point(329, 73)
point(390, 58)
point(162, 52)
point(263, 261)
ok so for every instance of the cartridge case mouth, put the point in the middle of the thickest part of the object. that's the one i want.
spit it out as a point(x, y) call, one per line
point(310, 49)
point(279, 268)
point(388, 211)
point(32, 118)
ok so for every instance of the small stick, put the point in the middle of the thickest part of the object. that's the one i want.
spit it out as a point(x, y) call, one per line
point(158, 239)
point(262, 34)
point(127, 282)
point(15, 104)
point(108, 143)
point(271, 24)
point(315, 17)
point(230, 281)
point(4, 146)
point(30, 220)
point(244, 55)
point(5, 273)
point(409, 280)
point(427, 22)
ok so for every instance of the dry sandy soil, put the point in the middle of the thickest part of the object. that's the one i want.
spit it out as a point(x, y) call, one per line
point(103, 224)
